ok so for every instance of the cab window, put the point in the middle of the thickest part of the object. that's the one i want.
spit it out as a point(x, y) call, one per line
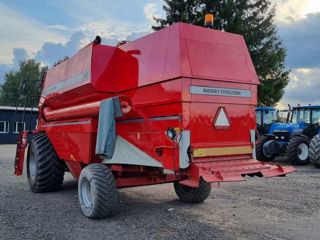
point(316, 116)
point(301, 115)
point(258, 117)
point(269, 117)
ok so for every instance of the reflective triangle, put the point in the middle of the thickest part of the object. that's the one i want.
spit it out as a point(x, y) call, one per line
point(222, 120)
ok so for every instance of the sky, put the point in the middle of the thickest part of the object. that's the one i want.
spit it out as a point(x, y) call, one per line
point(50, 30)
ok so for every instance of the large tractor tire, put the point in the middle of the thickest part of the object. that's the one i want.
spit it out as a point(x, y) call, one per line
point(314, 150)
point(298, 150)
point(45, 170)
point(193, 195)
point(97, 191)
point(259, 149)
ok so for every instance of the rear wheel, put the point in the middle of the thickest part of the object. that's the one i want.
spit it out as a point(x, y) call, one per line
point(97, 191)
point(45, 170)
point(193, 195)
point(314, 150)
point(298, 150)
point(259, 149)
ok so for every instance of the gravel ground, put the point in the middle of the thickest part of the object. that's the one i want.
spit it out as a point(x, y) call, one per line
point(260, 208)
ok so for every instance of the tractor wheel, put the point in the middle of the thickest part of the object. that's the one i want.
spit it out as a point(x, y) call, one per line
point(45, 170)
point(314, 150)
point(97, 191)
point(193, 195)
point(259, 149)
point(298, 150)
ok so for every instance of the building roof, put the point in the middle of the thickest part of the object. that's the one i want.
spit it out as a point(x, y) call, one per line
point(18, 108)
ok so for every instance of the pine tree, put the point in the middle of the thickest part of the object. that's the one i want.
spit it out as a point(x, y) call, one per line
point(251, 18)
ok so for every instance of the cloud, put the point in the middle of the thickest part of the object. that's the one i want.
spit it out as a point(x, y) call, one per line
point(51, 53)
point(19, 54)
point(303, 87)
point(302, 38)
point(59, 27)
point(49, 43)
point(151, 10)
point(24, 37)
point(113, 30)
point(107, 30)
point(292, 10)
point(20, 31)
point(110, 27)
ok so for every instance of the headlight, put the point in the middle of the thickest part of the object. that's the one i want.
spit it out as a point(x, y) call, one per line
point(171, 133)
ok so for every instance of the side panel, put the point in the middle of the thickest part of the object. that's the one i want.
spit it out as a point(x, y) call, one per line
point(72, 140)
point(127, 153)
point(148, 138)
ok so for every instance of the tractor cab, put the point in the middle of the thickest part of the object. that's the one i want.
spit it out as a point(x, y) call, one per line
point(291, 138)
point(309, 116)
point(265, 117)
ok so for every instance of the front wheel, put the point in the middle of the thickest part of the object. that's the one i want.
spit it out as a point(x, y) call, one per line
point(259, 149)
point(298, 150)
point(314, 150)
point(97, 191)
point(193, 195)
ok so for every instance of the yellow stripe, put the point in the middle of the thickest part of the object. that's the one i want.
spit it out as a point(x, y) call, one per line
point(221, 151)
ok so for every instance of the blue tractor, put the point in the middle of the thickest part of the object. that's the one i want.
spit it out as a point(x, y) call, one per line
point(292, 138)
point(265, 117)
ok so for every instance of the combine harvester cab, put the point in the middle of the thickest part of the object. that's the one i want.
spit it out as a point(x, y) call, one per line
point(177, 105)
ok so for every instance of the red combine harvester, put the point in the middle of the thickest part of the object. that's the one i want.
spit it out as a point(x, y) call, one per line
point(177, 105)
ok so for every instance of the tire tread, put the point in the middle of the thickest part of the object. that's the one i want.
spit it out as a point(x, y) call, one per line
point(106, 197)
point(193, 195)
point(314, 150)
point(50, 170)
point(292, 149)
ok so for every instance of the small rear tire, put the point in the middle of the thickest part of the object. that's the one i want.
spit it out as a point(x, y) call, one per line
point(259, 149)
point(97, 192)
point(193, 195)
point(314, 150)
point(298, 150)
point(45, 170)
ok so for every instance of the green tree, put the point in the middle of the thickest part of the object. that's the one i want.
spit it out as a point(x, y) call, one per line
point(251, 18)
point(22, 88)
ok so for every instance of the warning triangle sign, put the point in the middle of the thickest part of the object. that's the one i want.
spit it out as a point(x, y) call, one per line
point(221, 120)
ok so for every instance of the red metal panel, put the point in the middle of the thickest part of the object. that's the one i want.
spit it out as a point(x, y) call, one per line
point(103, 75)
point(218, 61)
point(152, 57)
point(71, 139)
point(205, 134)
point(70, 67)
point(192, 51)
point(217, 55)
point(145, 180)
point(173, 58)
